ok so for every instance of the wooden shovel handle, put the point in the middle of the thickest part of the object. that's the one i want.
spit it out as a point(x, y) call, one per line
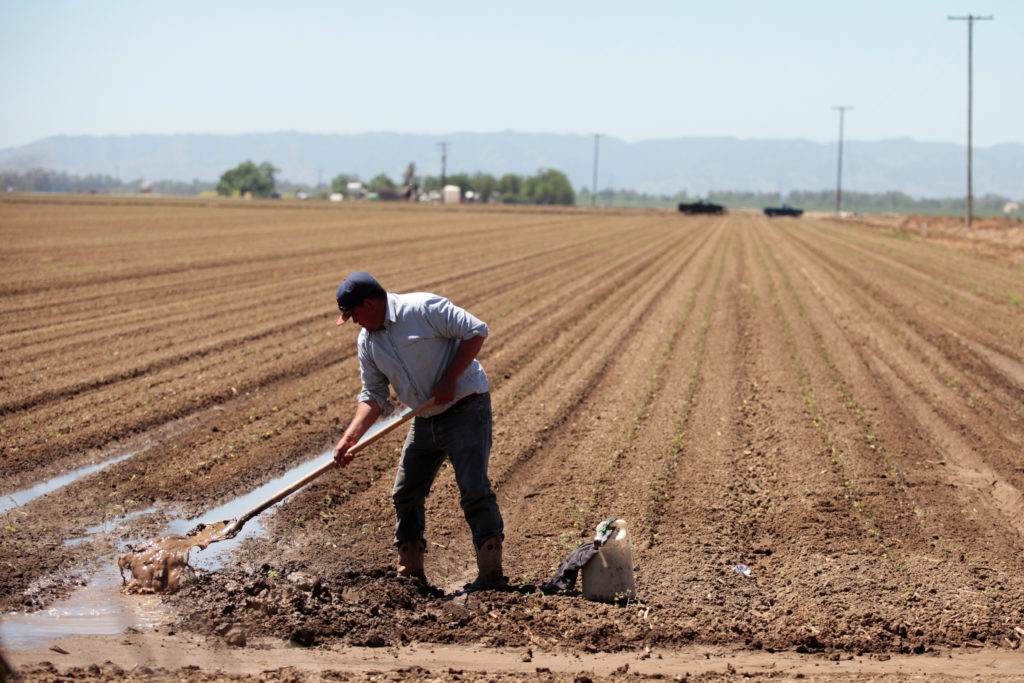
point(235, 526)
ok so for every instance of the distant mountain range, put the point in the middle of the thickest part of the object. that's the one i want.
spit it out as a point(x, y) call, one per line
point(696, 165)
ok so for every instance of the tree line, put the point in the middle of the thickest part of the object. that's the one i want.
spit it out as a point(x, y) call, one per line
point(547, 187)
point(43, 180)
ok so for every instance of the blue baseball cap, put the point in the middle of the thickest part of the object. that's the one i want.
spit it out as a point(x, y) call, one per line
point(357, 287)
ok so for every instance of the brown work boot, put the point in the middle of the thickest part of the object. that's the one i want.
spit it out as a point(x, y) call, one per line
point(410, 559)
point(488, 562)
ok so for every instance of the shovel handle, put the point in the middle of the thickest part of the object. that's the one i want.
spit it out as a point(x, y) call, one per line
point(234, 527)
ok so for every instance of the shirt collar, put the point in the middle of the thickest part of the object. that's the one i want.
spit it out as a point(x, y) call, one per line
point(391, 314)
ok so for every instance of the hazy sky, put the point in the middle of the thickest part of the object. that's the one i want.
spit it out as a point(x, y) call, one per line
point(635, 70)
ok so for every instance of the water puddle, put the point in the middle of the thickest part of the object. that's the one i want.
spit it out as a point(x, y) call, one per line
point(107, 526)
point(97, 608)
point(19, 498)
point(100, 608)
point(213, 558)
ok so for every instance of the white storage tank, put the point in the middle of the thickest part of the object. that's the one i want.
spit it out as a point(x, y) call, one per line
point(452, 194)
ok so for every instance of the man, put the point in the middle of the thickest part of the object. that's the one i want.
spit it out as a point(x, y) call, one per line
point(424, 347)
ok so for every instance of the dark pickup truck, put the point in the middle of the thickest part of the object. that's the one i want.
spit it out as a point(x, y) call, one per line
point(784, 210)
point(701, 206)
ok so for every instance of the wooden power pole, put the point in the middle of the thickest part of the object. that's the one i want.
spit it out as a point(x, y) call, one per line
point(970, 19)
point(839, 165)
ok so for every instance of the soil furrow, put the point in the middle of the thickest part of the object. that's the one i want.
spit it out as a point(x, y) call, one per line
point(950, 390)
point(812, 427)
point(445, 520)
point(979, 380)
point(930, 298)
point(595, 463)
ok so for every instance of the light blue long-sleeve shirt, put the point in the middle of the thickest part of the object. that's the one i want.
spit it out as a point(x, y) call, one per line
point(414, 347)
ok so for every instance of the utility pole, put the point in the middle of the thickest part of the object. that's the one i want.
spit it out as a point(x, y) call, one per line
point(593, 194)
point(444, 161)
point(970, 19)
point(839, 168)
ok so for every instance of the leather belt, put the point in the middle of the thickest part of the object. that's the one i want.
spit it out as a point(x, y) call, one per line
point(465, 399)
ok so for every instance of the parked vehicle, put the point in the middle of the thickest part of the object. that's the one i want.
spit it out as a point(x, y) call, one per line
point(701, 206)
point(784, 210)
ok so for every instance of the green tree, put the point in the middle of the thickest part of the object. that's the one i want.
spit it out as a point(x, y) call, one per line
point(460, 179)
point(510, 186)
point(381, 182)
point(484, 185)
point(550, 187)
point(341, 181)
point(248, 177)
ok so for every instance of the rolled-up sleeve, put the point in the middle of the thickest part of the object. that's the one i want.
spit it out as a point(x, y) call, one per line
point(412, 350)
point(454, 322)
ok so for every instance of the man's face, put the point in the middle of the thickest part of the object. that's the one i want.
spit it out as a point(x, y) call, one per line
point(369, 314)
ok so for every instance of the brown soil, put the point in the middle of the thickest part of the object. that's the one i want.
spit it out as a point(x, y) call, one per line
point(996, 236)
point(837, 404)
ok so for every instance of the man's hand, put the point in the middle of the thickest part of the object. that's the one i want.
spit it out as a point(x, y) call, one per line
point(444, 392)
point(366, 414)
point(342, 457)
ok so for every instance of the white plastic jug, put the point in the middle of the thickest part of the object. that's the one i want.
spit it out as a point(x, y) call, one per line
point(608, 577)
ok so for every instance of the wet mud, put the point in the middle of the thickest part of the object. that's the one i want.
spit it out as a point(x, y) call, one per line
point(155, 566)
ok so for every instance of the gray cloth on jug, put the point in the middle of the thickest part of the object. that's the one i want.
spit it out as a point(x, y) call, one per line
point(565, 577)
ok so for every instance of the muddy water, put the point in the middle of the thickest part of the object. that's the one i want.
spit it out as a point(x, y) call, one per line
point(237, 507)
point(107, 526)
point(100, 607)
point(94, 609)
point(19, 498)
point(155, 567)
point(171, 549)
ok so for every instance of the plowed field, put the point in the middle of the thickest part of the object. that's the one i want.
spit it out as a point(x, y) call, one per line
point(836, 406)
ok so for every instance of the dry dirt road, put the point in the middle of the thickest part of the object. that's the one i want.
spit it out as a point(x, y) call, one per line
point(837, 405)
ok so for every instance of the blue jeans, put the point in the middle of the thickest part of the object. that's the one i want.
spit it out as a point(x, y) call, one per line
point(463, 435)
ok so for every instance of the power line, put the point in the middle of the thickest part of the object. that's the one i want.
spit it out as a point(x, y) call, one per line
point(970, 19)
point(593, 195)
point(839, 165)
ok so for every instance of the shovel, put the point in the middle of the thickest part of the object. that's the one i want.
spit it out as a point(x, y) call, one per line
point(235, 525)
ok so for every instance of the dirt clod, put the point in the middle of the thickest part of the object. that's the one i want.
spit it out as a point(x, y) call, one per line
point(235, 637)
